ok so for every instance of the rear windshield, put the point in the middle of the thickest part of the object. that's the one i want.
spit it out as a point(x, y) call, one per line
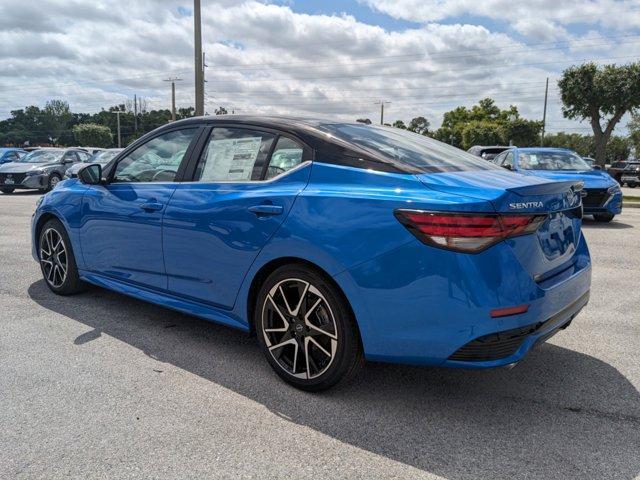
point(407, 149)
point(552, 161)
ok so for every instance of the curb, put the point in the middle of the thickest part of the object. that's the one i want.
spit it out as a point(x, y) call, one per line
point(630, 204)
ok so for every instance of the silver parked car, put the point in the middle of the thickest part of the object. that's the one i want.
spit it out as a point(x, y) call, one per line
point(41, 169)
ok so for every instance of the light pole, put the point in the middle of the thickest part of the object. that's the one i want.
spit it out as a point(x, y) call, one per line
point(199, 69)
point(118, 112)
point(173, 81)
point(382, 103)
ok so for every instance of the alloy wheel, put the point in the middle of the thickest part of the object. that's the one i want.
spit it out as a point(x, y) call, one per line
point(299, 328)
point(53, 257)
point(54, 181)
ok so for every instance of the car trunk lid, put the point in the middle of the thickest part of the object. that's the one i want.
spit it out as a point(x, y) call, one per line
point(511, 193)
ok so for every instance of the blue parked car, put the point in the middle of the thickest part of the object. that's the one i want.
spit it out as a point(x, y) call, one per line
point(332, 242)
point(10, 154)
point(602, 194)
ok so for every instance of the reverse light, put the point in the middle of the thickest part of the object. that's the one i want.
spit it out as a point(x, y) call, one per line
point(466, 232)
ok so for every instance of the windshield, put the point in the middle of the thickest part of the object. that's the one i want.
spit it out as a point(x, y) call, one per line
point(408, 149)
point(103, 157)
point(552, 161)
point(42, 156)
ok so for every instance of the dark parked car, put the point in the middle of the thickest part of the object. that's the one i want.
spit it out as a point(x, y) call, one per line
point(11, 154)
point(631, 174)
point(616, 169)
point(40, 169)
point(487, 152)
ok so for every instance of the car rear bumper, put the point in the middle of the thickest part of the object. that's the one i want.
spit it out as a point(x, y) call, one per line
point(422, 307)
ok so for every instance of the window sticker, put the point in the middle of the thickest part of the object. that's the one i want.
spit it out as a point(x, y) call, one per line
point(230, 159)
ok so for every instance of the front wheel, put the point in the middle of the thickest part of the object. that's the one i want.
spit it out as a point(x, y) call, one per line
point(7, 191)
point(54, 179)
point(603, 217)
point(306, 329)
point(57, 262)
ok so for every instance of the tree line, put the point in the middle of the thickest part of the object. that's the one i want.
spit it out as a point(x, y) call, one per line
point(601, 95)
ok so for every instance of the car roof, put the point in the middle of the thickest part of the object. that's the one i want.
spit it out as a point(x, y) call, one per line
point(545, 149)
point(10, 149)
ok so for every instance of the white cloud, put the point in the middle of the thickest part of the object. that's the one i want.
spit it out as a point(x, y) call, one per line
point(266, 58)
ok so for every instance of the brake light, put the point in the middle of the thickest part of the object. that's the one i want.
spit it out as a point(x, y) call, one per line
point(466, 232)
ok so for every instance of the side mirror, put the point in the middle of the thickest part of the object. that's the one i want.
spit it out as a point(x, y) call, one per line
point(507, 166)
point(91, 174)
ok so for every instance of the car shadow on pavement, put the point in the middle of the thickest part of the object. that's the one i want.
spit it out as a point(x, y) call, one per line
point(559, 414)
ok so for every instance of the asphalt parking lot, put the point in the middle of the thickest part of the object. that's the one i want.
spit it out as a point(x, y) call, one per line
point(103, 386)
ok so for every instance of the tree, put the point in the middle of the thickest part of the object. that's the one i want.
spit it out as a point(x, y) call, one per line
point(366, 121)
point(602, 95)
point(56, 119)
point(399, 124)
point(634, 132)
point(419, 125)
point(581, 144)
point(92, 135)
point(521, 132)
point(481, 132)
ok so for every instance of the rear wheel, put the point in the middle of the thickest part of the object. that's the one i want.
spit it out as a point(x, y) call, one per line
point(306, 329)
point(7, 191)
point(57, 262)
point(632, 185)
point(603, 217)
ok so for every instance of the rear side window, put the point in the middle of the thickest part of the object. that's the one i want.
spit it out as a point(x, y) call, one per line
point(287, 155)
point(234, 155)
point(407, 150)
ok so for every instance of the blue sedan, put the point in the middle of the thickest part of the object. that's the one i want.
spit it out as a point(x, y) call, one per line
point(10, 154)
point(331, 242)
point(602, 194)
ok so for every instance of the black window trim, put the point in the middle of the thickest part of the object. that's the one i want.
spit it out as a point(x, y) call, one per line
point(308, 153)
point(180, 175)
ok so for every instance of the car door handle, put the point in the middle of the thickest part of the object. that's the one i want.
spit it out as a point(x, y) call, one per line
point(263, 210)
point(151, 206)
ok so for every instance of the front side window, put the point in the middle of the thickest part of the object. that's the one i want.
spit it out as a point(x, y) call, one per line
point(287, 155)
point(157, 160)
point(508, 161)
point(234, 155)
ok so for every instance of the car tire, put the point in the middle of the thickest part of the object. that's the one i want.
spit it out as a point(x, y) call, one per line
point(54, 179)
point(603, 217)
point(306, 329)
point(57, 262)
point(632, 185)
point(7, 191)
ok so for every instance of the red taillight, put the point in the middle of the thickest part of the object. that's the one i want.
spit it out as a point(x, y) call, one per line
point(466, 232)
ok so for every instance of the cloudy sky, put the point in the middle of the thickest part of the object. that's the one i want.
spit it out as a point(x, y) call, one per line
point(318, 57)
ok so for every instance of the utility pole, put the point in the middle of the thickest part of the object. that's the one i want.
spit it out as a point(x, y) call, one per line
point(118, 112)
point(544, 112)
point(199, 69)
point(135, 113)
point(173, 81)
point(382, 103)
